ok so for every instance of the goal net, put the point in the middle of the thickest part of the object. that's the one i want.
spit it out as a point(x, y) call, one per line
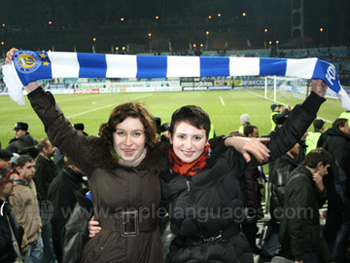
point(285, 89)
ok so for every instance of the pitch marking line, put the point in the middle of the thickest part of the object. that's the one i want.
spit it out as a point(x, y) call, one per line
point(258, 95)
point(85, 112)
point(222, 101)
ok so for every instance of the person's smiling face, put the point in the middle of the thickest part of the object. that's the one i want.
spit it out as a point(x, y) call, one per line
point(129, 139)
point(188, 141)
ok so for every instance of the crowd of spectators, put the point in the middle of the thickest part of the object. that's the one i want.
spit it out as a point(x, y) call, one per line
point(34, 160)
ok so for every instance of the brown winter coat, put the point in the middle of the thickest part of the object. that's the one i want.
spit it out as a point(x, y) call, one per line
point(114, 188)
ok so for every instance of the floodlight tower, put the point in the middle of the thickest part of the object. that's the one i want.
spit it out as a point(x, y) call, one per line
point(297, 18)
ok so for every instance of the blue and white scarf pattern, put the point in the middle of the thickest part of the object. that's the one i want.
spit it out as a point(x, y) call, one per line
point(30, 66)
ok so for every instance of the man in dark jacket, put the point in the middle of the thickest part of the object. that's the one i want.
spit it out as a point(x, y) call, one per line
point(62, 194)
point(45, 172)
point(336, 141)
point(281, 173)
point(23, 143)
point(305, 195)
point(11, 232)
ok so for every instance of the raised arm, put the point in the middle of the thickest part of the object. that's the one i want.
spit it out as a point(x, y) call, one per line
point(58, 128)
point(278, 142)
point(298, 121)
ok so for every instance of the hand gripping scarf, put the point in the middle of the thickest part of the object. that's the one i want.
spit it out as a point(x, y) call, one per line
point(29, 66)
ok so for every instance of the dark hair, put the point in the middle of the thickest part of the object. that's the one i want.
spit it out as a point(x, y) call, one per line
point(133, 110)
point(193, 115)
point(249, 129)
point(43, 143)
point(317, 155)
point(340, 122)
point(318, 124)
point(23, 159)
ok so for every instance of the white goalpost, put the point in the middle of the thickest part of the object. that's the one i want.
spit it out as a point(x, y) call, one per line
point(284, 88)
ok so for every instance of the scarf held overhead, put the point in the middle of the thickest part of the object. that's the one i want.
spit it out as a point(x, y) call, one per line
point(30, 66)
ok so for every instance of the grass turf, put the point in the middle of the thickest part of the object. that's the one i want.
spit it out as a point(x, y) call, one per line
point(223, 107)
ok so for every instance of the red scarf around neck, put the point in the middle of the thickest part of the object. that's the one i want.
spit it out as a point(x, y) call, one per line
point(188, 169)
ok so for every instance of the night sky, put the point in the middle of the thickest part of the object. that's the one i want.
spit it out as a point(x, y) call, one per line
point(66, 24)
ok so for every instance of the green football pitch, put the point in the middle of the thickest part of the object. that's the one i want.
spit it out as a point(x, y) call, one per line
point(223, 107)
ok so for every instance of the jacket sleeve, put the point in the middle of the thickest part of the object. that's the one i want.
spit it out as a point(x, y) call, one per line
point(59, 130)
point(321, 197)
point(297, 123)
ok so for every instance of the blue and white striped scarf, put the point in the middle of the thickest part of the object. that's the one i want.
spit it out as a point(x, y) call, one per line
point(29, 66)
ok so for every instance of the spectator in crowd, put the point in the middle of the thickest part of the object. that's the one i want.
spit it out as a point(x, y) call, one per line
point(158, 122)
point(26, 210)
point(312, 137)
point(58, 158)
point(336, 141)
point(305, 194)
point(62, 194)
point(11, 232)
point(235, 133)
point(5, 158)
point(199, 185)
point(45, 168)
point(277, 121)
point(278, 179)
point(212, 133)
point(244, 121)
point(302, 151)
point(278, 112)
point(14, 160)
point(23, 143)
point(345, 115)
point(80, 127)
point(164, 131)
point(251, 131)
point(123, 167)
point(45, 172)
point(252, 196)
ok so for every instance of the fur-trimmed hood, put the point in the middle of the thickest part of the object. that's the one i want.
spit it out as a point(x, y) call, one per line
point(101, 154)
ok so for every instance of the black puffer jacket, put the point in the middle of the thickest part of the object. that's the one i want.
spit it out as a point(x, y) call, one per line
point(75, 233)
point(7, 220)
point(284, 165)
point(252, 195)
point(209, 204)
